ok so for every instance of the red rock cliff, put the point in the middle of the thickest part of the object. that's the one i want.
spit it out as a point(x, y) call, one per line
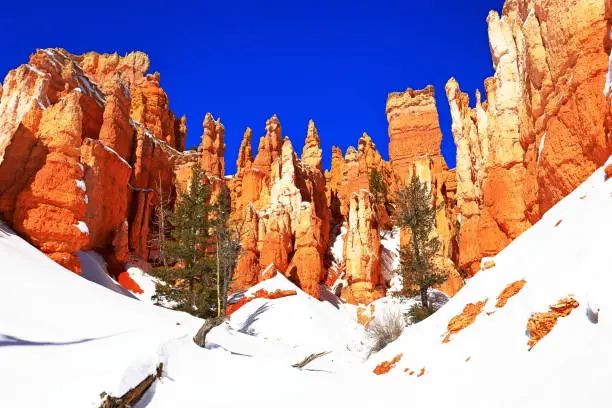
point(544, 127)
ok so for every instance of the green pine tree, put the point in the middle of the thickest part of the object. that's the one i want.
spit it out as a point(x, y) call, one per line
point(190, 282)
point(414, 210)
point(227, 240)
point(379, 189)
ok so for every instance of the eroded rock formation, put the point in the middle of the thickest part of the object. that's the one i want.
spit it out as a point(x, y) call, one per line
point(414, 148)
point(88, 145)
point(544, 127)
point(286, 220)
point(362, 251)
point(83, 141)
point(414, 129)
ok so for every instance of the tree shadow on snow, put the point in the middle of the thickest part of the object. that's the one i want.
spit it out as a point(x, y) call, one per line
point(8, 341)
point(253, 317)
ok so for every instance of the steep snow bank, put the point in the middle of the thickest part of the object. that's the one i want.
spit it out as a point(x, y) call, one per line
point(64, 340)
point(488, 363)
point(94, 270)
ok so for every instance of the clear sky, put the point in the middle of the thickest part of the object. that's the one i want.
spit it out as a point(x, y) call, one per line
point(330, 61)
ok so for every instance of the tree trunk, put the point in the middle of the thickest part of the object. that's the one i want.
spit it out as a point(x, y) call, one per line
point(219, 294)
point(209, 324)
point(424, 301)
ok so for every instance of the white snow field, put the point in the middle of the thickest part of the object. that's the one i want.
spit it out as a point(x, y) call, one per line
point(64, 340)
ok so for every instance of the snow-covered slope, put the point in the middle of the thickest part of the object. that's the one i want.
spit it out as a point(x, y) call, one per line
point(294, 326)
point(94, 270)
point(64, 340)
point(567, 253)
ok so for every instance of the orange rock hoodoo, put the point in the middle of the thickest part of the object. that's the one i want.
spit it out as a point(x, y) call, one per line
point(284, 212)
point(362, 251)
point(82, 141)
point(414, 147)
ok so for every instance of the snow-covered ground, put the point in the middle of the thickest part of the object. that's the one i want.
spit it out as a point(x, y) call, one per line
point(64, 340)
point(567, 253)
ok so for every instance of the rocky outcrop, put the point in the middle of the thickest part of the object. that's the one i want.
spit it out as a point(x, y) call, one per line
point(88, 145)
point(256, 180)
point(243, 162)
point(307, 268)
point(117, 132)
point(540, 324)
point(260, 294)
point(212, 148)
point(414, 129)
point(247, 267)
point(544, 127)
point(106, 177)
point(464, 319)
point(76, 170)
point(509, 291)
point(285, 211)
point(351, 173)
point(362, 251)
point(414, 148)
point(149, 108)
point(50, 210)
point(386, 366)
point(102, 68)
point(312, 155)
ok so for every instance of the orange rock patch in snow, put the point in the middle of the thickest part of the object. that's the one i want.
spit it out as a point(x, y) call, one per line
point(540, 324)
point(365, 315)
point(421, 372)
point(463, 320)
point(509, 291)
point(608, 171)
point(128, 283)
point(488, 265)
point(386, 366)
point(260, 294)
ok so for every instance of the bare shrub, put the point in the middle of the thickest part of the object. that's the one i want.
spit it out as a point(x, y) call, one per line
point(386, 328)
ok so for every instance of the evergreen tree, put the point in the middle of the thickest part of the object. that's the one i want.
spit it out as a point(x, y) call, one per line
point(161, 211)
point(227, 248)
point(378, 188)
point(414, 210)
point(190, 283)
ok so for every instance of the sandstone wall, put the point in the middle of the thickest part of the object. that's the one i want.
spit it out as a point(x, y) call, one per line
point(544, 127)
point(84, 140)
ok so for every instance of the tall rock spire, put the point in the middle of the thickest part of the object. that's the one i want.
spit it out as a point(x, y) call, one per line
point(212, 148)
point(245, 153)
point(312, 153)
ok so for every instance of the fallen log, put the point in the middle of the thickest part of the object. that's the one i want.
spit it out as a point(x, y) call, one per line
point(134, 395)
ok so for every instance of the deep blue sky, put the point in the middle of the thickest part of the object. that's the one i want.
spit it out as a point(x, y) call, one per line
point(333, 62)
